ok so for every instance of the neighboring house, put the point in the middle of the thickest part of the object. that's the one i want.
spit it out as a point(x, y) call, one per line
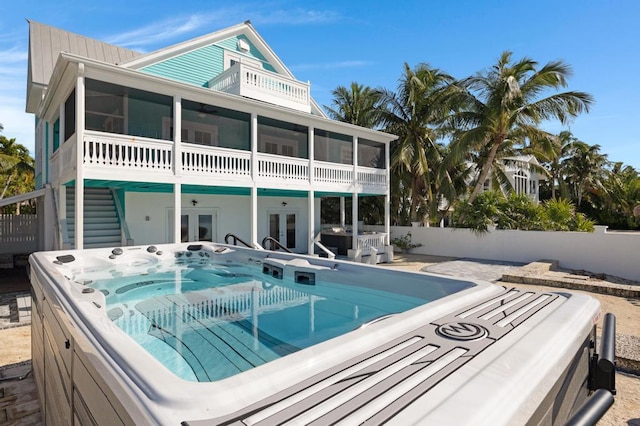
point(215, 128)
point(524, 174)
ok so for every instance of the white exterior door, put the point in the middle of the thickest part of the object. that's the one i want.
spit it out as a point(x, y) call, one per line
point(282, 227)
point(196, 225)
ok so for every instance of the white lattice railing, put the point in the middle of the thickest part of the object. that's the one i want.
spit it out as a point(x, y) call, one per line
point(246, 80)
point(217, 161)
point(366, 241)
point(127, 152)
point(333, 172)
point(277, 167)
point(371, 177)
point(231, 306)
point(106, 153)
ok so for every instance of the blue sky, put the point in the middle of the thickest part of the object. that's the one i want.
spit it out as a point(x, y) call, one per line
point(332, 43)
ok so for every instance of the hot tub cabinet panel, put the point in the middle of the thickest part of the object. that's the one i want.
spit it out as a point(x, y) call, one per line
point(481, 354)
point(73, 388)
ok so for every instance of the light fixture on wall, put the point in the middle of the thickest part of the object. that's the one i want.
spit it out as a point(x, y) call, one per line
point(194, 202)
point(284, 204)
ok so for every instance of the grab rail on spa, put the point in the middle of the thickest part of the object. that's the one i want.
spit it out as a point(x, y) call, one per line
point(236, 239)
point(318, 243)
point(275, 242)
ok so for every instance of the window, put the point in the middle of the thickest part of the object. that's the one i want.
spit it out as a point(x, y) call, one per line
point(520, 183)
point(232, 58)
point(70, 116)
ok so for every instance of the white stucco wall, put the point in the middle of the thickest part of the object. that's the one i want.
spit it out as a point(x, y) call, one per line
point(612, 253)
point(233, 215)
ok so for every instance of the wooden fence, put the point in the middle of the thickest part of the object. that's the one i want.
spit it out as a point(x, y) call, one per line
point(18, 233)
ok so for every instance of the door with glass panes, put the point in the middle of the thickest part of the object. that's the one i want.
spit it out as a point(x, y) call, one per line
point(282, 227)
point(196, 225)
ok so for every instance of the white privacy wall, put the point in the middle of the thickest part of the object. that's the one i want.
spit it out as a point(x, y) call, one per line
point(613, 253)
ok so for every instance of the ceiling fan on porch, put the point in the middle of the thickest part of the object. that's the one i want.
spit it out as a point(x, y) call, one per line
point(206, 109)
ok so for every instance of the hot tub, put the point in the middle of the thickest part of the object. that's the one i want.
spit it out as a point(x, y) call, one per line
point(217, 334)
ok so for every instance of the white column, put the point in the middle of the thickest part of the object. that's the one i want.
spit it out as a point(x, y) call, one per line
point(354, 221)
point(312, 221)
point(312, 173)
point(354, 207)
point(177, 209)
point(254, 146)
point(79, 196)
point(387, 195)
point(254, 215)
point(343, 214)
point(177, 136)
point(311, 195)
point(254, 177)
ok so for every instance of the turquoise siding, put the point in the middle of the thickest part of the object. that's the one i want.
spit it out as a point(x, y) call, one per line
point(201, 65)
point(196, 67)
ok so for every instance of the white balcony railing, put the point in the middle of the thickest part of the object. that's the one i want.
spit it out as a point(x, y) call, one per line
point(277, 167)
point(371, 177)
point(126, 152)
point(333, 172)
point(204, 160)
point(251, 82)
point(109, 156)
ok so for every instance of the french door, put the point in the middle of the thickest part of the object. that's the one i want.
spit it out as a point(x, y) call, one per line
point(282, 227)
point(196, 225)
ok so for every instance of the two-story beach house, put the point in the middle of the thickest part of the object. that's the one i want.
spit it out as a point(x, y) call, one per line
point(205, 138)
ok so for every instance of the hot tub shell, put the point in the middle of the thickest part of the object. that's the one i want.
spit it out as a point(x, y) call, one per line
point(487, 354)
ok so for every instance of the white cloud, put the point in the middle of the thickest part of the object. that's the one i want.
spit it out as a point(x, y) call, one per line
point(160, 31)
point(13, 55)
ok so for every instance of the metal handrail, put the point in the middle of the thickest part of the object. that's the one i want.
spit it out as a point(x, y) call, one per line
point(236, 239)
point(275, 242)
point(318, 243)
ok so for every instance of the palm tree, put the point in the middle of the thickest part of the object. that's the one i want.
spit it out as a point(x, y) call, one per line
point(15, 162)
point(585, 167)
point(358, 104)
point(412, 114)
point(502, 109)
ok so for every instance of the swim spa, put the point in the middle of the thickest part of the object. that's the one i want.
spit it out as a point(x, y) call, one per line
point(217, 334)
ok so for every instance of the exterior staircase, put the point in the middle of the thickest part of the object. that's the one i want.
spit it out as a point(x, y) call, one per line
point(101, 222)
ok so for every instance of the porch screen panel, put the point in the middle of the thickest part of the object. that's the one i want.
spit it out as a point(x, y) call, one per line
point(124, 110)
point(370, 154)
point(332, 147)
point(210, 125)
point(282, 138)
point(70, 116)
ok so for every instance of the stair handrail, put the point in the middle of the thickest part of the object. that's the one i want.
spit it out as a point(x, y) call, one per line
point(275, 242)
point(318, 243)
point(236, 239)
point(125, 235)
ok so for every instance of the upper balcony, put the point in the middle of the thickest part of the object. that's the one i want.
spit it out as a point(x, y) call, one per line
point(110, 156)
point(255, 83)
